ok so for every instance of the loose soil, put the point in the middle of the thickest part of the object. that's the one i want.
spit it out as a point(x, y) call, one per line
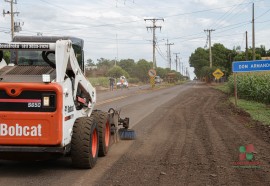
point(194, 140)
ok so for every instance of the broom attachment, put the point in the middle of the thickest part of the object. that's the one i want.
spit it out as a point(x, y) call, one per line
point(123, 133)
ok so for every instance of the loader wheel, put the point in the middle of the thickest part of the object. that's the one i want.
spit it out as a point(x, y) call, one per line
point(84, 143)
point(104, 130)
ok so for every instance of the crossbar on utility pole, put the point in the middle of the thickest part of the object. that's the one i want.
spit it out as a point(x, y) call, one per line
point(12, 13)
point(154, 27)
point(210, 50)
point(169, 53)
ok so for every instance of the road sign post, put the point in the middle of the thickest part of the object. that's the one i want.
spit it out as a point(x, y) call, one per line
point(152, 73)
point(248, 66)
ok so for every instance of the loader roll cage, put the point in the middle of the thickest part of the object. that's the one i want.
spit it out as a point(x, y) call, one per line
point(40, 50)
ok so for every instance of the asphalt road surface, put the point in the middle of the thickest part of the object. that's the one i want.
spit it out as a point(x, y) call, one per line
point(186, 135)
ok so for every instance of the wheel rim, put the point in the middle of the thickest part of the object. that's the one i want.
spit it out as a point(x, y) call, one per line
point(94, 143)
point(107, 134)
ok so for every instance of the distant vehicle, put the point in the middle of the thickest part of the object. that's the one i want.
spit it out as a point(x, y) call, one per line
point(158, 80)
point(122, 83)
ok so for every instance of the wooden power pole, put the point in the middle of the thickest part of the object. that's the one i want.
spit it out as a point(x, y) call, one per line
point(154, 27)
point(210, 50)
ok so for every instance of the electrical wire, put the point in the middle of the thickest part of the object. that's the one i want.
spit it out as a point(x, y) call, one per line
point(223, 17)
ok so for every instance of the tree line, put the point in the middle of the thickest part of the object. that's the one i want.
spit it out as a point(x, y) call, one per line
point(222, 59)
point(127, 67)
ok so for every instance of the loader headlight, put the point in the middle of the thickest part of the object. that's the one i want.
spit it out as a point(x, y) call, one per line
point(46, 78)
point(46, 101)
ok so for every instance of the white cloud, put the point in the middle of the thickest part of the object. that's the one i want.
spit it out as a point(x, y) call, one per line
point(99, 21)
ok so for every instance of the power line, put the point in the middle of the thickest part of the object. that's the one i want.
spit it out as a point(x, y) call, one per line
point(160, 53)
point(208, 10)
point(262, 14)
point(223, 17)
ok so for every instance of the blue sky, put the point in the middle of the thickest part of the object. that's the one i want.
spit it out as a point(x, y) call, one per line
point(116, 28)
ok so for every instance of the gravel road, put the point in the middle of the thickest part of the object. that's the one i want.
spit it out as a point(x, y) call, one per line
point(194, 139)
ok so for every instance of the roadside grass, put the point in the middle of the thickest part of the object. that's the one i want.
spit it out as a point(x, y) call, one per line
point(104, 82)
point(99, 81)
point(223, 87)
point(258, 111)
point(166, 84)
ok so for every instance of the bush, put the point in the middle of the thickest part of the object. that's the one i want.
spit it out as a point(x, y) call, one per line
point(133, 80)
point(100, 81)
point(116, 72)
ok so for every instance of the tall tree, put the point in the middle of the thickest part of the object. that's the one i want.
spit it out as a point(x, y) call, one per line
point(142, 69)
point(128, 65)
point(105, 63)
point(261, 51)
point(242, 56)
point(116, 72)
point(90, 62)
point(199, 59)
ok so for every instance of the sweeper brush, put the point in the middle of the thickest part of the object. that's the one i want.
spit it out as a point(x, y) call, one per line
point(126, 134)
point(123, 133)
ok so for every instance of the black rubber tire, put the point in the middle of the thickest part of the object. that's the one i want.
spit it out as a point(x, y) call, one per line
point(84, 139)
point(102, 121)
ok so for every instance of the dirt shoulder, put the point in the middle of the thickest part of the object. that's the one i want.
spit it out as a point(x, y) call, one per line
point(194, 140)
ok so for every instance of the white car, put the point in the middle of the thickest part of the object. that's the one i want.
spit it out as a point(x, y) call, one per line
point(158, 80)
point(122, 83)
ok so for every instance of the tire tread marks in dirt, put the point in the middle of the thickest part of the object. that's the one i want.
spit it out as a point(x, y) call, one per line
point(189, 141)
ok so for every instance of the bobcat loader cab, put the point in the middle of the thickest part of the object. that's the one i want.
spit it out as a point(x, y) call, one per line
point(46, 103)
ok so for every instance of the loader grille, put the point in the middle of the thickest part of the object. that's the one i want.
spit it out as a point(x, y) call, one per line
point(25, 73)
point(30, 70)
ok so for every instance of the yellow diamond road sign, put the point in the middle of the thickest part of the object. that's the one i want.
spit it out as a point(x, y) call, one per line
point(218, 74)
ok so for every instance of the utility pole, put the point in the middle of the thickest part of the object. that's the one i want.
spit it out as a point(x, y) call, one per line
point(210, 50)
point(253, 34)
point(116, 50)
point(154, 37)
point(179, 65)
point(246, 46)
point(183, 68)
point(12, 13)
point(169, 53)
point(176, 60)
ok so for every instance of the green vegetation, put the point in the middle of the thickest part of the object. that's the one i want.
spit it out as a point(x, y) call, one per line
point(116, 72)
point(99, 81)
point(222, 59)
point(7, 56)
point(258, 111)
point(252, 86)
point(224, 88)
point(135, 72)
